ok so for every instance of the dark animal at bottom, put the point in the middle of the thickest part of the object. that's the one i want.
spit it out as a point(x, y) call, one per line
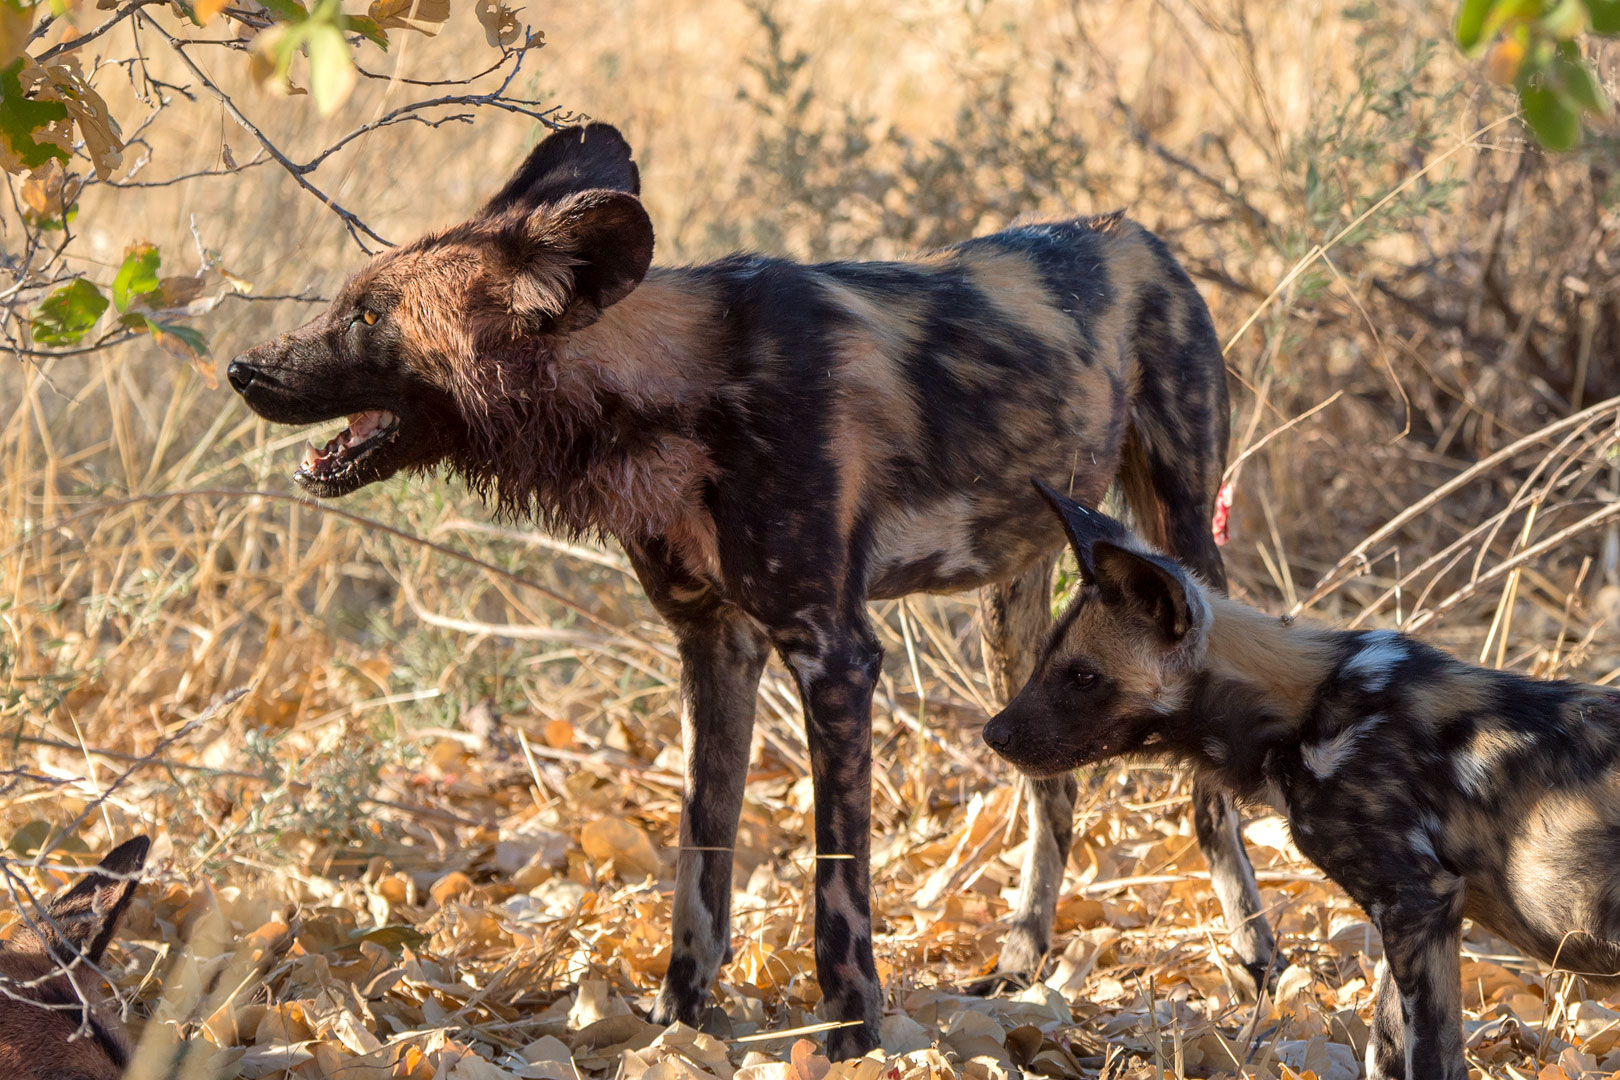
point(1430, 790)
point(774, 444)
point(55, 1021)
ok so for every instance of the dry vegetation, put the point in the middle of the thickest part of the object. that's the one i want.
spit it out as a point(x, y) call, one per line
point(433, 838)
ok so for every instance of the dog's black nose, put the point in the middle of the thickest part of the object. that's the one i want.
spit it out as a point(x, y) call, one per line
point(997, 734)
point(240, 375)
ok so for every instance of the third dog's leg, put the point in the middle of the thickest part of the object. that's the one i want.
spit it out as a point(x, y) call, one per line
point(722, 655)
point(1051, 829)
point(1220, 838)
point(836, 664)
point(1015, 617)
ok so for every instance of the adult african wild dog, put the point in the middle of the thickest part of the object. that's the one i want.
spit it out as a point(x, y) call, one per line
point(774, 444)
point(55, 1021)
point(1429, 789)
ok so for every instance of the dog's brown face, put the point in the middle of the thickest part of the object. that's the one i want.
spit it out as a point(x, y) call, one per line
point(1121, 660)
point(411, 341)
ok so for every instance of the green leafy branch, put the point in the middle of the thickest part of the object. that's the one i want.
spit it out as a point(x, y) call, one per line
point(1534, 46)
point(145, 302)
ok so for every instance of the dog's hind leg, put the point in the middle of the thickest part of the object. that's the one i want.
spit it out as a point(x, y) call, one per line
point(1014, 617)
point(722, 655)
point(836, 663)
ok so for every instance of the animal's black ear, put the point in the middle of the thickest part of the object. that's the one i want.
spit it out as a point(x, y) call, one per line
point(1085, 527)
point(568, 161)
point(1152, 585)
point(607, 239)
point(83, 920)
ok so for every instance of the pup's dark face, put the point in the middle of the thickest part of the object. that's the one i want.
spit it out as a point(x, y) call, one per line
point(414, 344)
point(1122, 659)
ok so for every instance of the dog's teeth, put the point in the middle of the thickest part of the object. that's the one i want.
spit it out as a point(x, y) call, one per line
point(362, 424)
point(312, 456)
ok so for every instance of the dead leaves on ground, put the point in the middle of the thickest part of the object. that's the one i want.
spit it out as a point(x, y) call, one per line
point(494, 904)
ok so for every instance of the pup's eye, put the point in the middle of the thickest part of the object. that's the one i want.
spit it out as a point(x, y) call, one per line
point(1084, 678)
point(369, 317)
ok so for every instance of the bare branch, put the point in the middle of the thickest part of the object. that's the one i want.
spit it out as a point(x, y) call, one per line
point(358, 229)
point(129, 8)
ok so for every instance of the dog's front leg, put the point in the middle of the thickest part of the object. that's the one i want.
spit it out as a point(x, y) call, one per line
point(1422, 931)
point(1220, 838)
point(722, 655)
point(836, 663)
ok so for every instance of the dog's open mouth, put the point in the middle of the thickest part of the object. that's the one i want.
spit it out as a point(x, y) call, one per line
point(367, 432)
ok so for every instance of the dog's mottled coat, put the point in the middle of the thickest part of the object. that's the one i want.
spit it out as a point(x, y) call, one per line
point(774, 444)
point(1429, 789)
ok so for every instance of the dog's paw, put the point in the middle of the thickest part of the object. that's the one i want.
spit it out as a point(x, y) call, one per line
point(1249, 978)
point(999, 982)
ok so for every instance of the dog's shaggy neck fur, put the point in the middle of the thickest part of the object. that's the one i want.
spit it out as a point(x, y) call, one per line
point(1256, 683)
point(594, 431)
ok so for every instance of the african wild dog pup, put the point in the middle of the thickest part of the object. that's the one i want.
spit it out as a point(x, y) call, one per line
point(55, 1021)
point(1429, 789)
point(774, 444)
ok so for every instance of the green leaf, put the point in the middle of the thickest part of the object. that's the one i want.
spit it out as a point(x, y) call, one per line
point(1580, 84)
point(137, 276)
point(331, 68)
point(67, 314)
point(1605, 16)
point(181, 341)
point(1555, 120)
point(367, 28)
point(287, 11)
point(20, 117)
point(30, 838)
point(1565, 21)
point(391, 938)
point(52, 222)
point(1480, 21)
point(1471, 23)
point(189, 337)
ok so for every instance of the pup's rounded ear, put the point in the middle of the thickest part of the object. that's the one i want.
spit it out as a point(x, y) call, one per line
point(573, 159)
point(1084, 526)
point(83, 920)
point(608, 238)
point(1151, 585)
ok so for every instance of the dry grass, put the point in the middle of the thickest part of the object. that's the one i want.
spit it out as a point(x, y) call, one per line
point(376, 880)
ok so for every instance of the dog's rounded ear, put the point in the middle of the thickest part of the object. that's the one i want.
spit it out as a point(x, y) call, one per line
point(1084, 526)
point(607, 238)
point(574, 159)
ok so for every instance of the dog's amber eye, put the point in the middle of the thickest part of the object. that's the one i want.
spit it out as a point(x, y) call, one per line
point(1084, 678)
point(370, 317)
